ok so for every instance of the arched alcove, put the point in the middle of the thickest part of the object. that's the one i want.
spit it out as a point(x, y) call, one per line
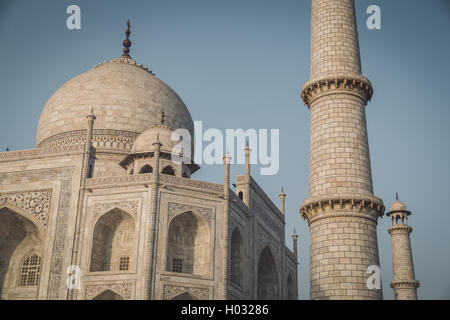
point(188, 245)
point(113, 242)
point(291, 290)
point(168, 170)
point(146, 169)
point(108, 295)
point(21, 245)
point(268, 288)
point(184, 296)
point(236, 268)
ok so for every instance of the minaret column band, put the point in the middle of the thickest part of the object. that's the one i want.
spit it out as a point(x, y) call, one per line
point(341, 211)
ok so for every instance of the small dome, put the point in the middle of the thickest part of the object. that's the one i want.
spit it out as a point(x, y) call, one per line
point(397, 205)
point(144, 142)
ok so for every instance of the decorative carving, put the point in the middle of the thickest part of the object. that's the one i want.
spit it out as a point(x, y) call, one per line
point(358, 86)
point(64, 175)
point(191, 183)
point(171, 291)
point(405, 284)
point(123, 289)
point(32, 153)
point(177, 208)
point(399, 228)
point(118, 180)
point(368, 207)
point(36, 203)
point(130, 207)
point(101, 138)
point(126, 60)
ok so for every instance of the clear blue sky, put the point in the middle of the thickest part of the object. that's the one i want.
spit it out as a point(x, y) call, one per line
point(241, 64)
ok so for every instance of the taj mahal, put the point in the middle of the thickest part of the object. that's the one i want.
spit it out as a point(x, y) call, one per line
point(99, 210)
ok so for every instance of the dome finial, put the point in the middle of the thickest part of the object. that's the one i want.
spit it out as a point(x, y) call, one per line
point(163, 116)
point(396, 196)
point(127, 43)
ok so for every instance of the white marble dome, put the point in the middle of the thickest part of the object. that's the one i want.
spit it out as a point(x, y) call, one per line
point(144, 142)
point(126, 99)
point(397, 205)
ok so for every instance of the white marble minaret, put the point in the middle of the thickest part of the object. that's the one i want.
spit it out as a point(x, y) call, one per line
point(341, 210)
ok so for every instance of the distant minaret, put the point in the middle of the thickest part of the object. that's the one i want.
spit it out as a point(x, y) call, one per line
point(404, 283)
point(282, 202)
point(341, 210)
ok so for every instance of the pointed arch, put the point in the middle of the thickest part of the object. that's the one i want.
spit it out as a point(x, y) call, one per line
point(291, 288)
point(113, 242)
point(24, 214)
point(184, 296)
point(168, 170)
point(188, 245)
point(237, 248)
point(146, 169)
point(268, 288)
point(21, 238)
point(108, 295)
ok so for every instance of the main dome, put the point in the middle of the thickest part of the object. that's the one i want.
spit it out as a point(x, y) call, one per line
point(126, 99)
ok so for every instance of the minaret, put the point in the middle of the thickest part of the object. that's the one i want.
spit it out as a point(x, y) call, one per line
point(341, 210)
point(404, 283)
point(294, 243)
point(282, 201)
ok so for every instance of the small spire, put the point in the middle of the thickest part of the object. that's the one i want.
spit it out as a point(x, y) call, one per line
point(294, 231)
point(246, 142)
point(396, 196)
point(163, 117)
point(127, 43)
point(282, 191)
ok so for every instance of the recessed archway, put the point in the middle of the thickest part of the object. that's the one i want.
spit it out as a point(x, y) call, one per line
point(184, 296)
point(168, 170)
point(21, 245)
point(291, 288)
point(146, 169)
point(113, 242)
point(108, 295)
point(188, 245)
point(268, 288)
point(236, 258)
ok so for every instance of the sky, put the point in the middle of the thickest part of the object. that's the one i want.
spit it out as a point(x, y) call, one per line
point(241, 64)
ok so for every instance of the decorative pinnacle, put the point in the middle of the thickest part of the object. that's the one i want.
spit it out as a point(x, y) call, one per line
point(396, 196)
point(127, 43)
point(163, 116)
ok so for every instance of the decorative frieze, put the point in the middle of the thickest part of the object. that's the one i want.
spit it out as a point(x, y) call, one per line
point(399, 228)
point(125, 290)
point(405, 284)
point(36, 203)
point(165, 178)
point(366, 206)
point(130, 207)
point(171, 291)
point(34, 153)
point(178, 208)
point(101, 138)
point(358, 86)
point(120, 180)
